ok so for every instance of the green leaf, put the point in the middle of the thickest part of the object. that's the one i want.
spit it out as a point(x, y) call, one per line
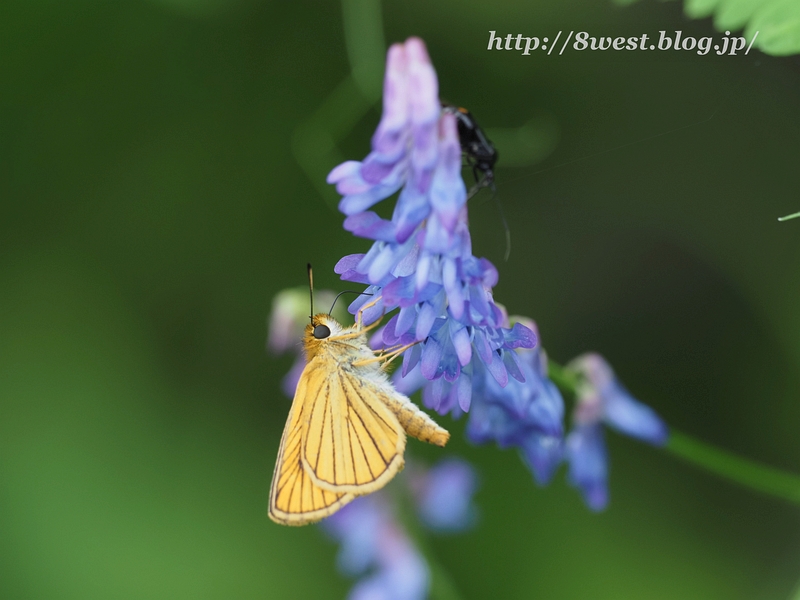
point(733, 14)
point(778, 24)
point(699, 9)
point(776, 21)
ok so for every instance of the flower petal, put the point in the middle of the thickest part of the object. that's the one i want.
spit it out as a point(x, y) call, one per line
point(371, 226)
point(588, 465)
point(633, 418)
point(542, 453)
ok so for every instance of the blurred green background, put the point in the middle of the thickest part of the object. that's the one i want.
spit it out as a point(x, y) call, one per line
point(151, 207)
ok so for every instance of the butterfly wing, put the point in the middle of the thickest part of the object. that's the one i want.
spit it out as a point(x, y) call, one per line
point(354, 442)
point(294, 498)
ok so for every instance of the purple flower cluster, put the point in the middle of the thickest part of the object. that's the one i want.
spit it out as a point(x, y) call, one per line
point(421, 261)
point(374, 543)
point(371, 539)
point(467, 357)
point(527, 415)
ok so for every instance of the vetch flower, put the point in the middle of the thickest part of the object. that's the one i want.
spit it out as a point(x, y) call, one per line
point(601, 399)
point(421, 260)
point(375, 544)
point(371, 539)
point(527, 415)
point(444, 495)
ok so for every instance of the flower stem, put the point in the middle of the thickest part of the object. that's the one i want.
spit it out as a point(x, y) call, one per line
point(565, 379)
point(745, 472)
point(442, 585)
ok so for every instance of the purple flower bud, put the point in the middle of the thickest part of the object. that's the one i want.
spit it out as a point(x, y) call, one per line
point(292, 378)
point(543, 454)
point(588, 464)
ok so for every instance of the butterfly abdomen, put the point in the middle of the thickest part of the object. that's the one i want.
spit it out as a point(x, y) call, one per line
point(415, 422)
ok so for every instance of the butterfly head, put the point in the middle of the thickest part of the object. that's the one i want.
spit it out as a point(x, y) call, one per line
point(317, 333)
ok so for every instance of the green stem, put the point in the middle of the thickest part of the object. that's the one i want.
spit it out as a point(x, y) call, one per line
point(366, 47)
point(314, 142)
point(745, 472)
point(787, 217)
point(564, 378)
point(442, 585)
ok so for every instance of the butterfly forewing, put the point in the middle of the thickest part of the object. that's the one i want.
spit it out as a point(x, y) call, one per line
point(294, 498)
point(353, 442)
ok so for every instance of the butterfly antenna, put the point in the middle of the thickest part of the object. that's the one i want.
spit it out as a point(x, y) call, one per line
point(346, 292)
point(311, 292)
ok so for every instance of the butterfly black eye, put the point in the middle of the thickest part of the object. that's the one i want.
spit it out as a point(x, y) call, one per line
point(321, 332)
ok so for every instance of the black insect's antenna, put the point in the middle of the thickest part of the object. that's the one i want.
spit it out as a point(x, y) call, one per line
point(505, 222)
point(330, 312)
point(311, 292)
point(506, 228)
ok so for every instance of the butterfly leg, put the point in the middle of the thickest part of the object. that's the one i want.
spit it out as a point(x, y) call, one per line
point(360, 329)
point(387, 349)
point(371, 325)
point(360, 314)
point(390, 356)
point(385, 358)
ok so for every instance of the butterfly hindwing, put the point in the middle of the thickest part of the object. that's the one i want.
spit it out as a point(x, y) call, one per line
point(354, 442)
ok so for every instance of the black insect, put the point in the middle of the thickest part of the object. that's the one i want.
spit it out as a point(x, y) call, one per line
point(478, 149)
point(481, 155)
